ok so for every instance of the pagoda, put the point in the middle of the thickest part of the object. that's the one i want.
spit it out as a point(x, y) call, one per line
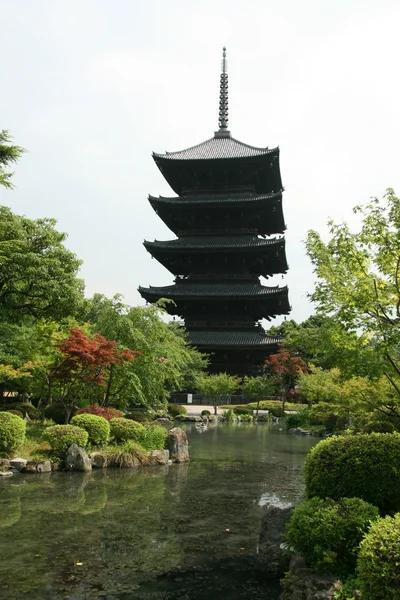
point(227, 207)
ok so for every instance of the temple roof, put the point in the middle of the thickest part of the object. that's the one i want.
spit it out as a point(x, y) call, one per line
point(217, 147)
point(215, 241)
point(214, 198)
point(232, 338)
point(206, 290)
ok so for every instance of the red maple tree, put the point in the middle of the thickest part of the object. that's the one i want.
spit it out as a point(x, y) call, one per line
point(82, 362)
point(286, 366)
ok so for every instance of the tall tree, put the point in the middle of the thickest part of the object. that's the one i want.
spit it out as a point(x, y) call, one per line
point(38, 275)
point(216, 387)
point(9, 153)
point(358, 278)
point(257, 388)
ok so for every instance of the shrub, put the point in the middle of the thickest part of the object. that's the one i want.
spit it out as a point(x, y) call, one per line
point(229, 415)
point(56, 412)
point(124, 429)
point(98, 428)
point(205, 413)
point(328, 532)
point(60, 437)
point(298, 419)
point(378, 562)
point(139, 417)
point(243, 410)
point(131, 454)
point(277, 411)
point(107, 412)
point(152, 437)
point(363, 466)
point(375, 426)
point(177, 410)
point(25, 408)
point(12, 432)
point(16, 412)
point(324, 414)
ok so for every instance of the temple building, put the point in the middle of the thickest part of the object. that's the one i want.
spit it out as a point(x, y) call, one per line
point(228, 220)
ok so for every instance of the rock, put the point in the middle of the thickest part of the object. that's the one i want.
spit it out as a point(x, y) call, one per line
point(162, 420)
point(99, 461)
point(30, 467)
point(157, 457)
point(272, 557)
point(213, 418)
point(77, 459)
point(44, 467)
point(4, 464)
point(178, 445)
point(18, 463)
point(6, 473)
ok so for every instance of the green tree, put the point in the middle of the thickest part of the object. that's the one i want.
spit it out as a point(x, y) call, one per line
point(255, 389)
point(38, 275)
point(319, 385)
point(358, 279)
point(9, 153)
point(216, 387)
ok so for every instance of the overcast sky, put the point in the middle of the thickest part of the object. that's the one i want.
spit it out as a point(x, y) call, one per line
point(92, 87)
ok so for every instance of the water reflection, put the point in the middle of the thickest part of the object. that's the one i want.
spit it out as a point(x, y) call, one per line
point(156, 533)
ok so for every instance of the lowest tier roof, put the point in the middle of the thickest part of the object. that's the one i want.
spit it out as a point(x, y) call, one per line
point(214, 198)
point(206, 290)
point(216, 147)
point(206, 242)
point(232, 338)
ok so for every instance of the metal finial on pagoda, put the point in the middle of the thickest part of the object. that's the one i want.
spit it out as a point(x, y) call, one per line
point(223, 94)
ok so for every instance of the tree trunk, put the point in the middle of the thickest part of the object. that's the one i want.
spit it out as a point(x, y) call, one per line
point(215, 403)
point(258, 406)
point(109, 384)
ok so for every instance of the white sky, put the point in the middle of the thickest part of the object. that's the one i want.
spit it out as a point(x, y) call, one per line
point(92, 87)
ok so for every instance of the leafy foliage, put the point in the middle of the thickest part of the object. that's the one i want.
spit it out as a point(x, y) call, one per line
point(152, 436)
point(60, 437)
point(286, 367)
point(24, 407)
point(378, 562)
point(363, 466)
point(125, 429)
point(177, 410)
point(216, 387)
point(98, 428)
point(9, 153)
point(12, 432)
point(107, 412)
point(328, 532)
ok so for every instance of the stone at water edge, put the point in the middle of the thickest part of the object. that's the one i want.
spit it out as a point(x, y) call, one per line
point(99, 461)
point(18, 463)
point(272, 558)
point(6, 473)
point(4, 464)
point(30, 467)
point(44, 467)
point(178, 445)
point(77, 459)
point(158, 457)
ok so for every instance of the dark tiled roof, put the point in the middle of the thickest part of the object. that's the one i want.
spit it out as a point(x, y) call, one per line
point(205, 290)
point(231, 338)
point(214, 199)
point(216, 147)
point(199, 242)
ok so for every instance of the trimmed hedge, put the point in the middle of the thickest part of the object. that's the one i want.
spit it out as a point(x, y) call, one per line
point(177, 410)
point(366, 466)
point(107, 412)
point(124, 429)
point(60, 437)
point(378, 562)
point(328, 532)
point(243, 410)
point(12, 432)
point(205, 413)
point(98, 428)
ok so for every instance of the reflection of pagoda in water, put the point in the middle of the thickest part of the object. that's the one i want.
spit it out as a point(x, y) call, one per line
point(228, 203)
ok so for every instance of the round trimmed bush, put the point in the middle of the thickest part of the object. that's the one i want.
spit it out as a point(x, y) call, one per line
point(205, 413)
point(16, 412)
point(243, 410)
point(376, 426)
point(328, 532)
point(56, 412)
point(12, 432)
point(124, 429)
point(25, 408)
point(378, 562)
point(98, 428)
point(60, 437)
point(177, 410)
point(362, 466)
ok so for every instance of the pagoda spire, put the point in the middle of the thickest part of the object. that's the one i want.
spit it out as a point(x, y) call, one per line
point(223, 98)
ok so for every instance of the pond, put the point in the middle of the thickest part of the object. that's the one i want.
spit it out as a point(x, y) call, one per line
point(157, 533)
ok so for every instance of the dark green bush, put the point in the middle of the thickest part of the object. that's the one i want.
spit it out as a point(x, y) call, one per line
point(243, 410)
point(16, 412)
point(60, 437)
point(378, 562)
point(375, 426)
point(328, 532)
point(124, 429)
point(139, 417)
point(298, 419)
point(276, 411)
point(363, 466)
point(323, 414)
point(12, 432)
point(205, 413)
point(25, 408)
point(152, 437)
point(56, 412)
point(98, 428)
point(177, 410)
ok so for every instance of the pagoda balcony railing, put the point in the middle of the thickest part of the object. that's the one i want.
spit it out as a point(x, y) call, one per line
point(216, 277)
point(226, 231)
point(218, 324)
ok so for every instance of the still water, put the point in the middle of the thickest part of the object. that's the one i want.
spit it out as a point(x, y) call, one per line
point(157, 533)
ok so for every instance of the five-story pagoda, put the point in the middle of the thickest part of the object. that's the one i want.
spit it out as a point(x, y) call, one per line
point(228, 204)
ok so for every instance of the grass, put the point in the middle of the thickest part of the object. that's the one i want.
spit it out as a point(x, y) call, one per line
point(266, 405)
point(34, 447)
point(130, 454)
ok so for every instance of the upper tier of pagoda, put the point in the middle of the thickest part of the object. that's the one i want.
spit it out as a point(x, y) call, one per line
point(210, 212)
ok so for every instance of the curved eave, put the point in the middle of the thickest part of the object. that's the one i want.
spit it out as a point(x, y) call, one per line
point(215, 148)
point(214, 199)
point(213, 292)
point(189, 246)
point(233, 339)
